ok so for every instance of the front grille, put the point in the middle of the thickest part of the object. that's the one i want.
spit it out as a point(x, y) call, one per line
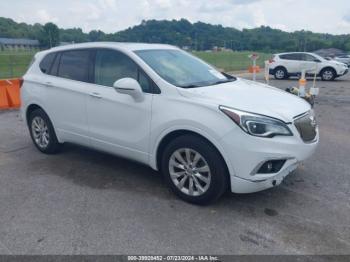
point(307, 127)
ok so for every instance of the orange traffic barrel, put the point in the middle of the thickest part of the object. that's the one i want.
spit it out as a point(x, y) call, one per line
point(10, 93)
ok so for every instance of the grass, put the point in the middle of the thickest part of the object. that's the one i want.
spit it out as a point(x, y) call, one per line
point(231, 61)
point(15, 63)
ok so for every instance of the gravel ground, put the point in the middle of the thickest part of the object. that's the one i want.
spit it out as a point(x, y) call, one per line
point(86, 202)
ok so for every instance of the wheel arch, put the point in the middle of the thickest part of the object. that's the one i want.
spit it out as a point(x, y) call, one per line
point(328, 67)
point(280, 67)
point(30, 109)
point(34, 106)
point(168, 137)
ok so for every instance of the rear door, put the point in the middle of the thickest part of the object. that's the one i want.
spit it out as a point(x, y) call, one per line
point(117, 122)
point(291, 62)
point(67, 92)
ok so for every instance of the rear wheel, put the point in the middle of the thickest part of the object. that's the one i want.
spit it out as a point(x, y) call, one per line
point(281, 73)
point(194, 170)
point(42, 132)
point(328, 74)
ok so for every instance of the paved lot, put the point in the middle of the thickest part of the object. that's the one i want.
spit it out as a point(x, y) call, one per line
point(86, 202)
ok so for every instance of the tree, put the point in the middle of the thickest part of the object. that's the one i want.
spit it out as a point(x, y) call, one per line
point(50, 35)
point(198, 36)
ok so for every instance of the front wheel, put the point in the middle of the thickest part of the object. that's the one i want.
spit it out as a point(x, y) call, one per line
point(328, 74)
point(194, 170)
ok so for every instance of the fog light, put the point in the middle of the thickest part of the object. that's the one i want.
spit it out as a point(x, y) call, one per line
point(271, 166)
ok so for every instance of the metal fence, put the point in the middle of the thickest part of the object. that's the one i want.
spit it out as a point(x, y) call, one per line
point(14, 63)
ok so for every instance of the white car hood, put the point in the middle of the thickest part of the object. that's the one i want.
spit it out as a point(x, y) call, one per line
point(251, 97)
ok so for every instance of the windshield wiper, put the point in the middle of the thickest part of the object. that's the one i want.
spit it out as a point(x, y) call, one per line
point(190, 86)
point(222, 82)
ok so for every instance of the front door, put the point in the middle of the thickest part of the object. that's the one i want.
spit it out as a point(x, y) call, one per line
point(117, 122)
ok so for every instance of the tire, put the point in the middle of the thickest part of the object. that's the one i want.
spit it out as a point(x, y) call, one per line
point(206, 169)
point(328, 74)
point(42, 132)
point(280, 73)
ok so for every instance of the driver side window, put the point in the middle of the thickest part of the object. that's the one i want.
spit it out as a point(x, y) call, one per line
point(111, 65)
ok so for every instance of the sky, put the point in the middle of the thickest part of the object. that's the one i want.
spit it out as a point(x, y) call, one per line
point(110, 16)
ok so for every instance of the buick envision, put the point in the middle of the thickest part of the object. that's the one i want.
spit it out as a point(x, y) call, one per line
point(206, 131)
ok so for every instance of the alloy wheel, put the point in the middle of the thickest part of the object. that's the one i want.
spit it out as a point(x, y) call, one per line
point(280, 74)
point(189, 172)
point(40, 132)
point(327, 75)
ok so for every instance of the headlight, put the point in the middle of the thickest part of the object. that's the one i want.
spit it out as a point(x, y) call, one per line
point(257, 125)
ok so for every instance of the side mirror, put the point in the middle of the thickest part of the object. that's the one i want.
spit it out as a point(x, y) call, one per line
point(128, 86)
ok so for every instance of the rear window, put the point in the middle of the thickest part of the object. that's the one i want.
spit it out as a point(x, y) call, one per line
point(46, 63)
point(75, 65)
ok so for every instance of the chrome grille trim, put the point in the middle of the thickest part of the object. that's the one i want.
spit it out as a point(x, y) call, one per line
point(306, 127)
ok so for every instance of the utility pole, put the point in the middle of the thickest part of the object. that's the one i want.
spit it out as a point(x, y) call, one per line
point(50, 38)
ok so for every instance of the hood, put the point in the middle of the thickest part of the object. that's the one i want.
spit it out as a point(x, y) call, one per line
point(337, 63)
point(251, 97)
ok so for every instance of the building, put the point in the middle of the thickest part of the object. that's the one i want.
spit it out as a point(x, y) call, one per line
point(18, 43)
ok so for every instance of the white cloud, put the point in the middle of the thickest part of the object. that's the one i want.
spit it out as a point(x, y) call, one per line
point(44, 16)
point(115, 15)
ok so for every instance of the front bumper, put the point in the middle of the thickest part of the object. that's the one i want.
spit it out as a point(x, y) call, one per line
point(344, 73)
point(246, 152)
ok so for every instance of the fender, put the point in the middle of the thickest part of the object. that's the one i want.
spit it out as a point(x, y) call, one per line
point(153, 156)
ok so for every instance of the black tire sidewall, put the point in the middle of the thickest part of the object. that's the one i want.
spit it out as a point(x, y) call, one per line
point(328, 69)
point(53, 146)
point(219, 176)
point(284, 71)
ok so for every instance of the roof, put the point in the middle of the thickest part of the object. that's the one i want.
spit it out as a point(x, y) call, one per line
point(124, 46)
point(286, 53)
point(18, 41)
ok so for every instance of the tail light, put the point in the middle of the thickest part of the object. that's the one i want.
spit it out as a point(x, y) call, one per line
point(20, 82)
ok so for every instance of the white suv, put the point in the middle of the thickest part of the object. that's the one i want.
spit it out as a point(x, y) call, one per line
point(343, 59)
point(285, 65)
point(204, 130)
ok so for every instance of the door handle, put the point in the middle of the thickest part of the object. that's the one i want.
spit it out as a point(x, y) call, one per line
point(95, 95)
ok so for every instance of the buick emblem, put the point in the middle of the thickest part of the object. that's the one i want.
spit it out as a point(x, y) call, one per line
point(313, 121)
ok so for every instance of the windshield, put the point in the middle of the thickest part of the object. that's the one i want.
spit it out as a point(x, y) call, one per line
point(182, 69)
point(319, 57)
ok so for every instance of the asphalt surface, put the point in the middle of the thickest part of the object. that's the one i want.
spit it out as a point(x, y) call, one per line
point(86, 202)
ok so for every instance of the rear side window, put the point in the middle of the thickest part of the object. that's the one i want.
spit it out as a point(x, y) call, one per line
point(294, 56)
point(54, 67)
point(46, 63)
point(75, 65)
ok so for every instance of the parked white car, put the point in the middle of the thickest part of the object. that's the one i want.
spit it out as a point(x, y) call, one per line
point(343, 59)
point(204, 130)
point(285, 65)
